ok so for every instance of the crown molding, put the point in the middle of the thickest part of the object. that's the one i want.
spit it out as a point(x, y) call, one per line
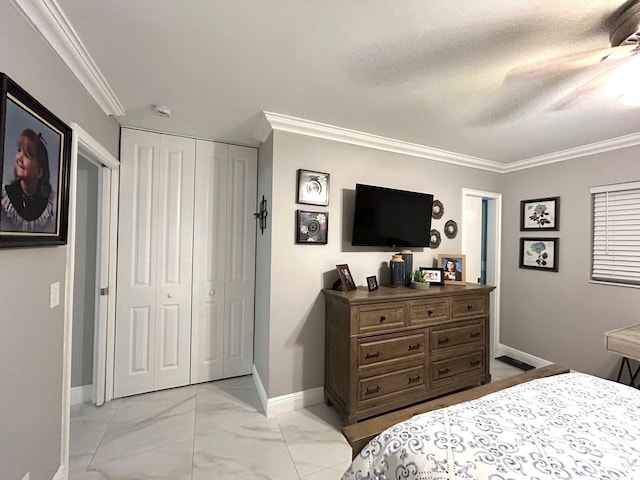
point(48, 19)
point(625, 141)
point(275, 121)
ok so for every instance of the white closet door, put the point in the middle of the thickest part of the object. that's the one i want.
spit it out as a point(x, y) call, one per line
point(136, 274)
point(224, 261)
point(240, 260)
point(153, 314)
point(210, 220)
point(175, 245)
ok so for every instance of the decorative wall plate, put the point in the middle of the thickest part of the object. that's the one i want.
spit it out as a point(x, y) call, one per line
point(437, 210)
point(451, 229)
point(434, 238)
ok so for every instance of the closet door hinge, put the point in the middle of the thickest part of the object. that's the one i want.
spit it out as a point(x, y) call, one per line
point(104, 291)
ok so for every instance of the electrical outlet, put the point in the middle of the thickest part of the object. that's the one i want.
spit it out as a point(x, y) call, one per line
point(27, 476)
point(54, 297)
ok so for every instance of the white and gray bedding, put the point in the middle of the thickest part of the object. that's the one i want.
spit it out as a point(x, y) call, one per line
point(571, 426)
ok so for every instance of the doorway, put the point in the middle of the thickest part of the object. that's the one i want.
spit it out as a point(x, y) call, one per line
point(481, 230)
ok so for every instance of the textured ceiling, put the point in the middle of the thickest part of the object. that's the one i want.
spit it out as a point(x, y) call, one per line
point(425, 72)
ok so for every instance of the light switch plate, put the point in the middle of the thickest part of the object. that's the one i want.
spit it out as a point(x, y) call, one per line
point(54, 298)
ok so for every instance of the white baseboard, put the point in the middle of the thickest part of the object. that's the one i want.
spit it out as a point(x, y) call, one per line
point(286, 403)
point(521, 356)
point(81, 394)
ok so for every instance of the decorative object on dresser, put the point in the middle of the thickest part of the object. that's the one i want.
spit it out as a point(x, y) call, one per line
point(313, 187)
point(419, 281)
point(35, 148)
point(539, 253)
point(454, 266)
point(397, 347)
point(372, 283)
point(346, 278)
point(396, 266)
point(435, 276)
point(407, 258)
point(312, 227)
point(540, 214)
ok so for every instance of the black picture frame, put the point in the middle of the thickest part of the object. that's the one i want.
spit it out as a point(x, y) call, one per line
point(540, 214)
point(312, 227)
point(346, 278)
point(435, 276)
point(38, 216)
point(538, 253)
point(372, 283)
point(313, 188)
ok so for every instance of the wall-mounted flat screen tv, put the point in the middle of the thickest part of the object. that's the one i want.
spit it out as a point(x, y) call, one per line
point(385, 217)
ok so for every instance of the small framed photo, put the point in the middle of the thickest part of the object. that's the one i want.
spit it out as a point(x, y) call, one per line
point(346, 278)
point(435, 276)
point(453, 268)
point(372, 283)
point(313, 187)
point(312, 227)
point(35, 148)
point(539, 253)
point(540, 214)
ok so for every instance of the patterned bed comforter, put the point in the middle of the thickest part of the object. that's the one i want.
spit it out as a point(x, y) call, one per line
point(571, 426)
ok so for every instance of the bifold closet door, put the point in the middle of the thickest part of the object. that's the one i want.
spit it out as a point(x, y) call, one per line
point(224, 261)
point(155, 241)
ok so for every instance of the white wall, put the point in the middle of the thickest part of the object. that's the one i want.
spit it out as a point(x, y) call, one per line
point(31, 333)
point(560, 316)
point(299, 272)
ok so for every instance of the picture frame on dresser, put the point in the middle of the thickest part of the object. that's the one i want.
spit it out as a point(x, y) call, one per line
point(435, 276)
point(454, 266)
point(346, 278)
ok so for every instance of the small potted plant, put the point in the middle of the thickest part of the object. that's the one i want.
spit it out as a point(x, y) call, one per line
point(419, 282)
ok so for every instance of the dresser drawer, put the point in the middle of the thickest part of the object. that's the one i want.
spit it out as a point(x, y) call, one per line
point(387, 349)
point(392, 382)
point(469, 306)
point(381, 317)
point(425, 312)
point(440, 370)
point(448, 336)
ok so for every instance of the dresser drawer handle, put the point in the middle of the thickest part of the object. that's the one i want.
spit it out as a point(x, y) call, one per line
point(475, 334)
point(370, 391)
point(469, 306)
point(474, 363)
point(443, 340)
point(415, 379)
point(414, 347)
point(443, 371)
point(382, 318)
point(430, 312)
point(373, 354)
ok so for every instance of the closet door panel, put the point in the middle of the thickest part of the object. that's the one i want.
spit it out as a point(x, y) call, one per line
point(175, 256)
point(240, 263)
point(210, 223)
point(136, 301)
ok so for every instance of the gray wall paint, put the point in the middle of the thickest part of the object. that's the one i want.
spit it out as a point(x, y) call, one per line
point(263, 266)
point(299, 272)
point(561, 316)
point(84, 303)
point(31, 334)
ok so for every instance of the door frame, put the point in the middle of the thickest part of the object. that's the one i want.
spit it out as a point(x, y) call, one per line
point(468, 193)
point(84, 144)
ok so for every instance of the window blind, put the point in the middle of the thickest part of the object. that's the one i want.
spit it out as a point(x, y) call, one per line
point(616, 233)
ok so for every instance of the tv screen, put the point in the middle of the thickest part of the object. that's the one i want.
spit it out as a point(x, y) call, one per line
point(385, 217)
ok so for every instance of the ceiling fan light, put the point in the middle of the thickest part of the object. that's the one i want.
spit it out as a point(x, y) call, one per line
point(631, 98)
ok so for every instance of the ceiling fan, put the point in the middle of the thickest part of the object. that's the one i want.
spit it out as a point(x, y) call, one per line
point(562, 82)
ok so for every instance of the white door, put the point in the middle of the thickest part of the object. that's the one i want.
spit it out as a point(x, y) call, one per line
point(154, 262)
point(224, 261)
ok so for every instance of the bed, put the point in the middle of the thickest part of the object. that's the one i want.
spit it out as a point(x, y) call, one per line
point(567, 426)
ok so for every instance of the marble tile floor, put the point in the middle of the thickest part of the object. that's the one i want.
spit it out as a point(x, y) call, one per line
point(209, 431)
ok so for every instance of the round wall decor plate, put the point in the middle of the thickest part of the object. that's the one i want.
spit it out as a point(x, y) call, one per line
point(451, 229)
point(437, 210)
point(434, 238)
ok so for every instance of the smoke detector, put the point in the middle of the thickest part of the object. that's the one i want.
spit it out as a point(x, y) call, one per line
point(161, 110)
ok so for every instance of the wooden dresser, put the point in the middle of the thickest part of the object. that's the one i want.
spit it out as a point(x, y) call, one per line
point(397, 346)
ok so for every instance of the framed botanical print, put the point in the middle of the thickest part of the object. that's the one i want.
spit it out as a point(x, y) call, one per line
point(540, 214)
point(35, 148)
point(313, 187)
point(539, 253)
